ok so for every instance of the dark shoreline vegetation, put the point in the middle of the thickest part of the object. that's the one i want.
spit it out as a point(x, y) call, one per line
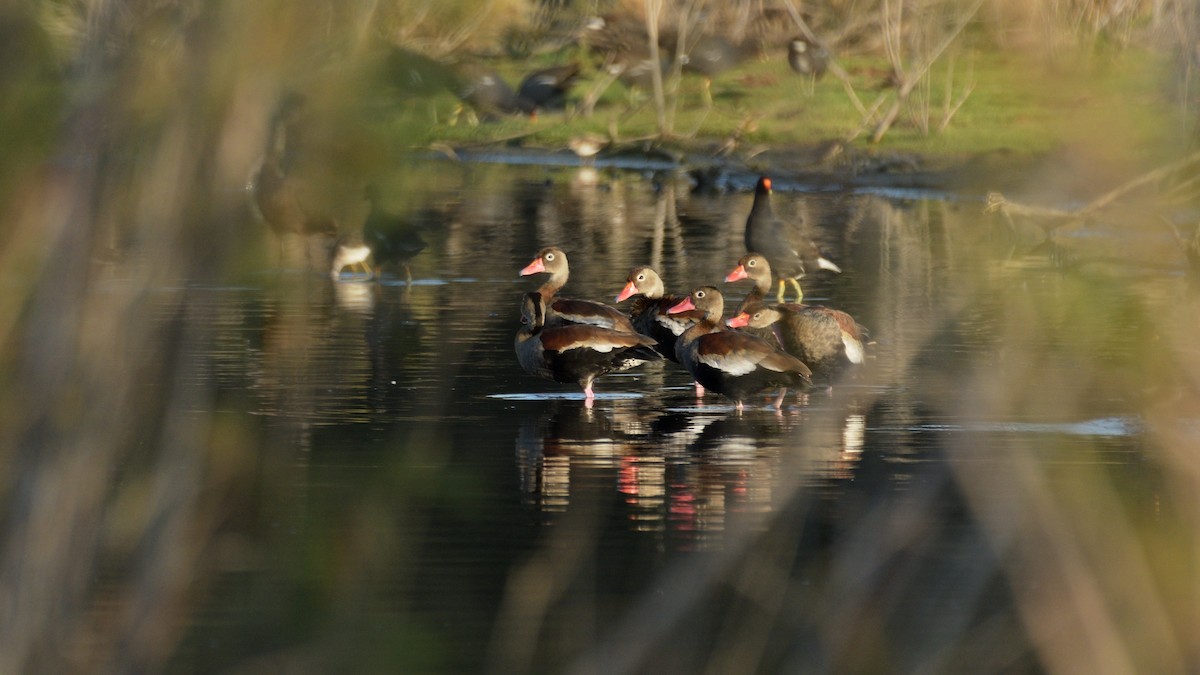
point(212, 455)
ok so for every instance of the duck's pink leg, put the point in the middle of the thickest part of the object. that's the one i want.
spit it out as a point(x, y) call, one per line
point(779, 399)
point(699, 390)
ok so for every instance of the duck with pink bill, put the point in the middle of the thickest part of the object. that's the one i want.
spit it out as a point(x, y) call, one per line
point(575, 353)
point(559, 311)
point(828, 340)
point(790, 253)
point(729, 362)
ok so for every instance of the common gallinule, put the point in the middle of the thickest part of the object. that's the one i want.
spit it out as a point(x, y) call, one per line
point(807, 57)
point(729, 362)
point(575, 353)
point(827, 340)
point(712, 55)
point(392, 238)
point(488, 94)
point(350, 251)
point(547, 89)
point(553, 261)
point(787, 252)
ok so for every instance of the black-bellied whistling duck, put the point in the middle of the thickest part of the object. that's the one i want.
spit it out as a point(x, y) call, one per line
point(755, 267)
point(828, 340)
point(276, 194)
point(728, 362)
point(276, 197)
point(649, 309)
point(575, 353)
point(553, 261)
point(788, 253)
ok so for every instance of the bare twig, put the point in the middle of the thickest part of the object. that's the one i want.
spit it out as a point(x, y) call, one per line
point(1146, 178)
point(910, 81)
point(653, 10)
point(997, 203)
point(868, 115)
point(952, 110)
point(588, 105)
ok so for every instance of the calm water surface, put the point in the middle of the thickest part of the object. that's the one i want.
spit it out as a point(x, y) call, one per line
point(418, 503)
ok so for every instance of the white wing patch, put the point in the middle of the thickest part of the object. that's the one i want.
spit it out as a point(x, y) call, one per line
point(676, 327)
point(602, 348)
point(732, 365)
point(854, 348)
point(827, 264)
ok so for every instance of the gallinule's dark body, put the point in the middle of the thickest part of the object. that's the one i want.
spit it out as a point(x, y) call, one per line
point(547, 89)
point(712, 55)
point(788, 253)
point(392, 239)
point(575, 353)
point(649, 310)
point(729, 362)
point(488, 94)
point(807, 58)
point(560, 311)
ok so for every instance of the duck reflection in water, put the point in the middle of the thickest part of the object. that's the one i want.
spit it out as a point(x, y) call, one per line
point(545, 448)
point(691, 475)
point(678, 473)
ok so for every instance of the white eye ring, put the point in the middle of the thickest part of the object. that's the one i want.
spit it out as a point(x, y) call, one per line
point(699, 294)
point(641, 277)
point(751, 262)
point(549, 257)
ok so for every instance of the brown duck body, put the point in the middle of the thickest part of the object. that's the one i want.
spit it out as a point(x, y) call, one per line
point(649, 310)
point(575, 353)
point(732, 363)
point(276, 193)
point(561, 311)
point(277, 201)
point(826, 339)
point(789, 254)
